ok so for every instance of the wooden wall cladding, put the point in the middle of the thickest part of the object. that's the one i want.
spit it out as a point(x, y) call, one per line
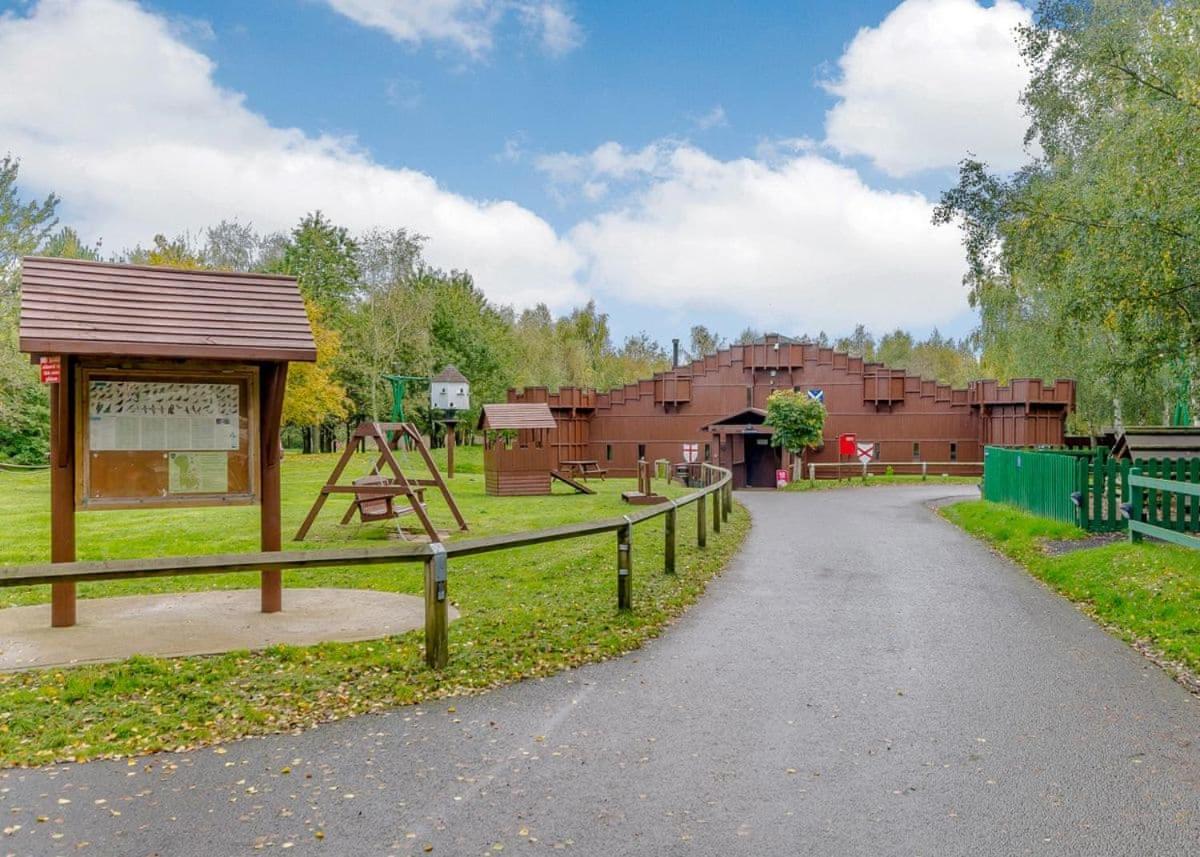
point(109, 478)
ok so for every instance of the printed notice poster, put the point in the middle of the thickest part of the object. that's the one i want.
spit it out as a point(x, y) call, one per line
point(198, 473)
point(154, 416)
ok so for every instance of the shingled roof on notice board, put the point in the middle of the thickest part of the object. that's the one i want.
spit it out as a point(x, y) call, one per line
point(71, 306)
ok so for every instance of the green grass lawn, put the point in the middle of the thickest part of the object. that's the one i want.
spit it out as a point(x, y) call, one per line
point(526, 612)
point(1147, 593)
point(878, 480)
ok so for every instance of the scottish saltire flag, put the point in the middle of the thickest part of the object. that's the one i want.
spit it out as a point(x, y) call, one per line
point(817, 395)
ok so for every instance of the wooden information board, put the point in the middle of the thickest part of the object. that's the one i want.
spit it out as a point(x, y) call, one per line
point(176, 435)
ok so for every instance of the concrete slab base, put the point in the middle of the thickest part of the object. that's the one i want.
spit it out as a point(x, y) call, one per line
point(201, 623)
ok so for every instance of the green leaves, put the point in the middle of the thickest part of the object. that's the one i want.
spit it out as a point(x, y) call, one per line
point(798, 420)
point(1087, 261)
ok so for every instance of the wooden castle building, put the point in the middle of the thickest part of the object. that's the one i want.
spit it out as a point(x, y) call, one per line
point(712, 409)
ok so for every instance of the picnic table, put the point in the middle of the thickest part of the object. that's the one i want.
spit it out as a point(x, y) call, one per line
point(584, 467)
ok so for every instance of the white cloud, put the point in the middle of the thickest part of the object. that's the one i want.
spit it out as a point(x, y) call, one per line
point(800, 245)
point(714, 118)
point(467, 24)
point(107, 107)
point(592, 171)
point(936, 79)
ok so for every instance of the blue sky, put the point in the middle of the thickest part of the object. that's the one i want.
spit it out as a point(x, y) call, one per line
point(764, 164)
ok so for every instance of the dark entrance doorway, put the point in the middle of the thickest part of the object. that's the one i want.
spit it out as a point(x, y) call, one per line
point(762, 460)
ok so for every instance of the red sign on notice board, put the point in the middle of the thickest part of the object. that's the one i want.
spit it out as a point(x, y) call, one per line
point(847, 444)
point(51, 369)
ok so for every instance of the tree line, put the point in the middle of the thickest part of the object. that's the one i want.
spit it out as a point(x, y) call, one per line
point(378, 307)
point(1085, 263)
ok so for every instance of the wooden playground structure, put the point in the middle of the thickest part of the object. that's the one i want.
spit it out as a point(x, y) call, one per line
point(644, 495)
point(374, 496)
point(518, 459)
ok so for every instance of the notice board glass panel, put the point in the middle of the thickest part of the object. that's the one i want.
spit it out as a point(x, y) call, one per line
point(178, 435)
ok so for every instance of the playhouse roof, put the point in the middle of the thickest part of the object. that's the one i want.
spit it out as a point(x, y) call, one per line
point(72, 306)
point(500, 417)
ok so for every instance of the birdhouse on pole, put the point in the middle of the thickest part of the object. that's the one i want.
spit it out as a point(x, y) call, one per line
point(449, 391)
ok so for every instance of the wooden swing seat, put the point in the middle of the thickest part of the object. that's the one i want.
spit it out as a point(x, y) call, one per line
point(375, 507)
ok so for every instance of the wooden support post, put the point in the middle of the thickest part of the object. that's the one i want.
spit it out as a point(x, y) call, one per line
point(451, 433)
point(716, 512)
point(437, 641)
point(924, 470)
point(1135, 505)
point(728, 489)
point(272, 383)
point(701, 532)
point(812, 474)
point(625, 567)
point(671, 519)
point(62, 493)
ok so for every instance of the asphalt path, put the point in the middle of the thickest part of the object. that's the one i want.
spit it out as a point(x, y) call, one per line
point(863, 680)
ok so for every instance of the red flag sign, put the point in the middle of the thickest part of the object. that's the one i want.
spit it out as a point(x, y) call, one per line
point(51, 369)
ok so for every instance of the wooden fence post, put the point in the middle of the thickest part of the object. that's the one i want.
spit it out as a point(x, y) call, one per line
point(812, 474)
point(716, 496)
point(437, 644)
point(1135, 504)
point(625, 566)
point(671, 519)
point(728, 500)
point(701, 532)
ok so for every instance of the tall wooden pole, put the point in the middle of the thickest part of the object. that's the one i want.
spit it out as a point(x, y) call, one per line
point(272, 383)
point(62, 492)
point(450, 433)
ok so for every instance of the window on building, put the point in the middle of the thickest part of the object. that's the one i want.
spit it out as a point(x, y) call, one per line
point(641, 451)
point(954, 452)
point(708, 452)
point(608, 452)
point(916, 452)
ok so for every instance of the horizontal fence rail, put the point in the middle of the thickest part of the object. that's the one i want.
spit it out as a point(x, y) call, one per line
point(899, 468)
point(718, 485)
point(1163, 508)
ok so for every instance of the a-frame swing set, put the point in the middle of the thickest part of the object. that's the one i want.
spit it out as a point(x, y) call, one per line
point(374, 495)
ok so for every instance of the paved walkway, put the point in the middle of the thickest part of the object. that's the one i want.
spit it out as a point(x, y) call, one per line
point(864, 680)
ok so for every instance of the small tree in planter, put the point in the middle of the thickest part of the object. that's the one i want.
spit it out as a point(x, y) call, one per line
point(798, 420)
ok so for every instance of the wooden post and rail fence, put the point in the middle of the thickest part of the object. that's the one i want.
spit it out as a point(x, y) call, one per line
point(861, 470)
point(436, 557)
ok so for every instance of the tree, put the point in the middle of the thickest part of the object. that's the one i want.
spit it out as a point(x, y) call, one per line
point(388, 330)
point(324, 260)
point(798, 421)
point(1097, 237)
point(858, 344)
point(313, 396)
point(704, 342)
point(25, 228)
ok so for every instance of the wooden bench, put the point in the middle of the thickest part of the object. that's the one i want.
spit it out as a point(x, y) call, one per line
point(585, 467)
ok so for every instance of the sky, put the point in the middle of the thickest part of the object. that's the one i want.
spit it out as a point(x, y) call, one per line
point(766, 164)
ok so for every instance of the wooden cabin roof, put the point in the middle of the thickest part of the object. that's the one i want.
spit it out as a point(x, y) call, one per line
point(501, 416)
point(71, 306)
point(1158, 442)
point(744, 417)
